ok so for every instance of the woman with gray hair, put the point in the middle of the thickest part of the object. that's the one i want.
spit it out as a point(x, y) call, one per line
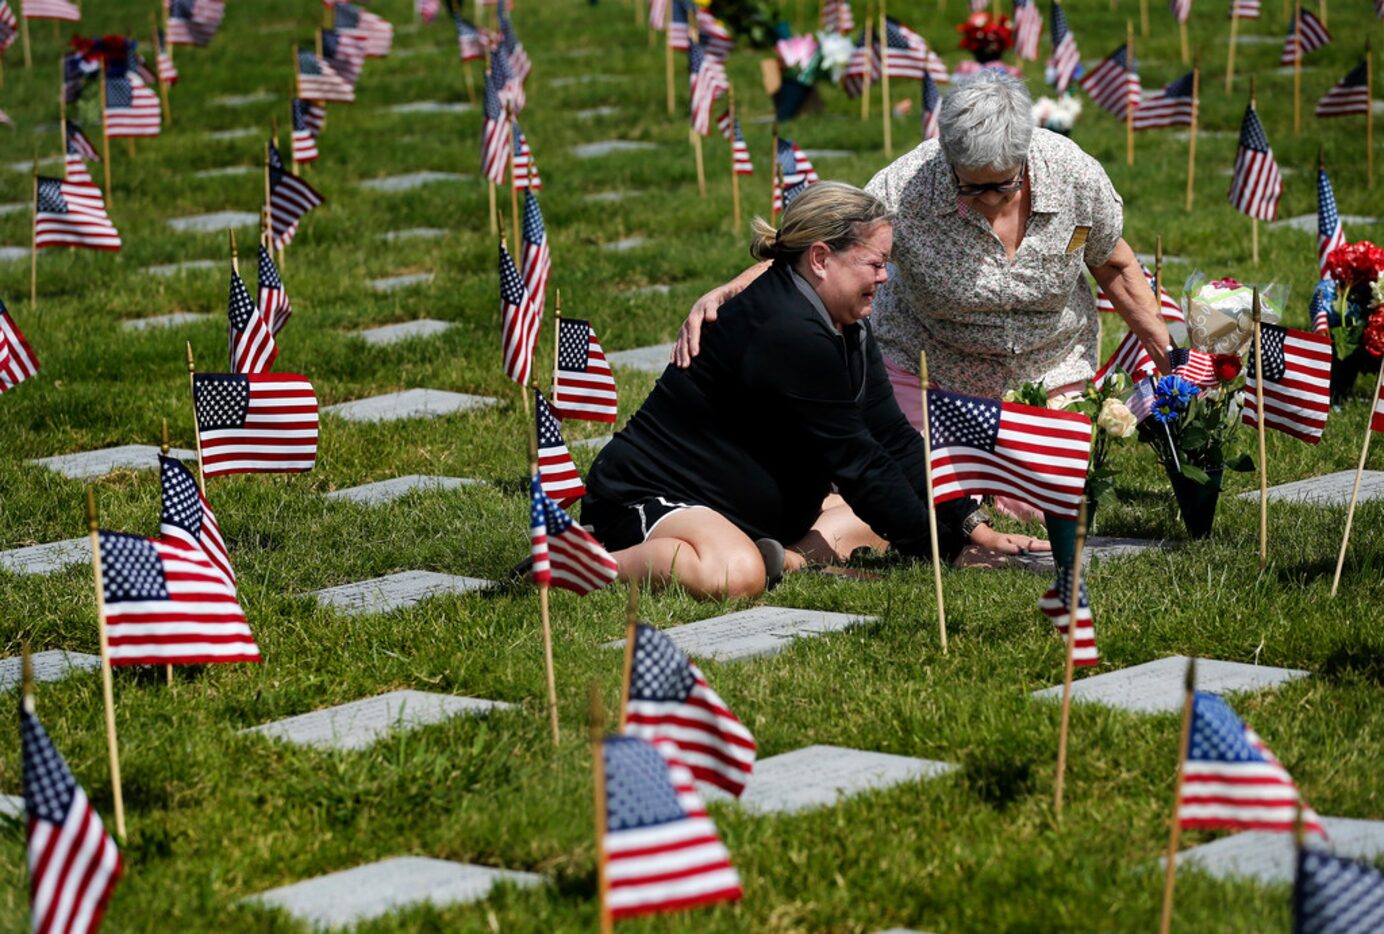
point(731, 459)
point(995, 224)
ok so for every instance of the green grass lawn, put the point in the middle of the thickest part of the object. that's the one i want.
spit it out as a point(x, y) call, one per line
point(215, 816)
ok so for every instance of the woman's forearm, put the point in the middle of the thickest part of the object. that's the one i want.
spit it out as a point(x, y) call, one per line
point(1122, 279)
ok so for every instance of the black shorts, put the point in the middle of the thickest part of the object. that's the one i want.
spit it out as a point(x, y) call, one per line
point(624, 525)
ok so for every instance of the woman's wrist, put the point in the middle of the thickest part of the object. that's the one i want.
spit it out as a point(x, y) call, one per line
point(978, 519)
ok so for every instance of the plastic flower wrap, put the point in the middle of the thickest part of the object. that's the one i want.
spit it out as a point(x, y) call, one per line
point(1220, 316)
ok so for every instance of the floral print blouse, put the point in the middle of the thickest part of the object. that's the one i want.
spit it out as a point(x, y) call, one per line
point(988, 324)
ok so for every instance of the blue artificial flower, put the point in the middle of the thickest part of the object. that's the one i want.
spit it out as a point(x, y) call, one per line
point(1324, 300)
point(1164, 411)
point(1176, 391)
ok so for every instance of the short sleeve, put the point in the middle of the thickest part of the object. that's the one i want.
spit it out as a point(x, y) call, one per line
point(882, 187)
point(1107, 215)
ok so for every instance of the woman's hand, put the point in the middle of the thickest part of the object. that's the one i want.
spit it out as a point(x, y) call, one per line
point(1004, 544)
point(690, 334)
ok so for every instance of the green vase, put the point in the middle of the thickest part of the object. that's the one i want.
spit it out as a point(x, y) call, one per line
point(1062, 534)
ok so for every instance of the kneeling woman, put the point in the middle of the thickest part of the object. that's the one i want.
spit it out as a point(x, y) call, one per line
point(788, 397)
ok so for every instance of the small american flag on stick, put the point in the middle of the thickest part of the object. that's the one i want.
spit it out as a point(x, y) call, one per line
point(740, 150)
point(495, 138)
point(17, 360)
point(678, 37)
point(1330, 232)
point(1297, 382)
point(1114, 83)
point(375, 30)
point(304, 136)
point(318, 81)
point(837, 16)
point(72, 214)
point(1257, 183)
point(274, 305)
point(1168, 306)
point(1335, 895)
point(1055, 604)
point(1195, 366)
point(131, 108)
point(1350, 95)
point(257, 423)
point(583, 386)
point(564, 554)
point(560, 477)
point(1307, 34)
point(1244, 9)
point(1181, 9)
point(517, 330)
point(9, 26)
point(1171, 105)
point(345, 54)
point(187, 517)
point(1028, 29)
point(524, 172)
point(290, 198)
point(537, 263)
point(1129, 357)
point(194, 22)
point(252, 342)
point(51, 9)
point(168, 71)
point(470, 42)
point(1377, 418)
point(707, 77)
point(1065, 58)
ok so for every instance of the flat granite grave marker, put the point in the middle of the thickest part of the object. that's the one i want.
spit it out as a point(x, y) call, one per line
point(817, 776)
point(216, 222)
point(383, 491)
point(12, 806)
point(395, 591)
point(1270, 858)
point(243, 100)
point(414, 233)
point(1331, 489)
point(13, 254)
point(648, 359)
point(1104, 547)
point(14, 207)
point(28, 166)
point(239, 132)
point(607, 146)
point(658, 288)
point(1159, 686)
point(611, 196)
point(592, 444)
point(225, 171)
point(409, 181)
point(589, 78)
point(394, 283)
point(87, 464)
point(829, 153)
point(605, 110)
point(1148, 259)
point(50, 665)
point(359, 724)
point(172, 269)
point(411, 403)
point(173, 319)
point(404, 330)
point(431, 107)
point(763, 630)
point(624, 245)
point(365, 892)
point(47, 558)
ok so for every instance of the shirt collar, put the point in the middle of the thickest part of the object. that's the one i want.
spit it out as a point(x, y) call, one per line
point(811, 295)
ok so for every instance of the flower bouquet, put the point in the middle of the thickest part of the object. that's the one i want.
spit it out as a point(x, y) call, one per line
point(1057, 115)
point(803, 61)
point(1349, 306)
point(985, 36)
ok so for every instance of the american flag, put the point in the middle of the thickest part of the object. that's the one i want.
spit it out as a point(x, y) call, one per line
point(1244, 9)
point(51, 9)
point(290, 197)
point(187, 517)
point(1036, 455)
point(670, 700)
point(252, 342)
point(1114, 83)
point(1172, 105)
point(1168, 306)
point(167, 604)
point(583, 386)
point(679, 36)
point(536, 262)
point(345, 53)
point(1335, 895)
point(1257, 184)
point(73, 862)
point(304, 138)
point(272, 297)
point(135, 62)
point(1028, 29)
point(1377, 419)
point(1055, 602)
point(517, 329)
point(79, 148)
point(795, 173)
point(1230, 778)
point(470, 42)
point(194, 22)
point(1330, 232)
point(427, 10)
point(524, 172)
point(495, 136)
point(377, 31)
point(1322, 297)
point(168, 72)
point(1350, 95)
point(1308, 36)
point(1195, 366)
point(9, 26)
point(837, 16)
point(17, 360)
point(72, 214)
point(78, 70)
point(564, 554)
point(714, 36)
point(1379, 9)
point(1065, 58)
point(317, 81)
point(707, 77)
point(131, 108)
point(561, 481)
point(515, 57)
point(1297, 382)
point(907, 53)
point(1181, 9)
point(861, 63)
point(1130, 358)
point(258, 423)
point(740, 150)
point(658, 15)
point(661, 849)
point(932, 107)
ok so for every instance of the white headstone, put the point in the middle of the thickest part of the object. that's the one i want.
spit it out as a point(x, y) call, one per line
point(187, 265)
point(624, 245)
point(410, 181)
point(1307, 223)
point(50, 665)
point(763, 630)
point(611, 196)
point(353, 895)
point(1270, 858)
point(12, 806)
point(591, 444)
point(394, 333)
point(411, 403)
point(1149, 259)
point(14, 207)
point(225, 171)
point(1246, 38)
point(590, 113)
point(1104, 547)
point(172, 319)
point(431, 107)
point(383, 491)
point(649, 359)
point(1183, 136)
point(243, 100)
point(239, 132)
point(13, 254)
point(87, 464)
point(588, 78)
point(829, 153)
point(394, 591)
point(1331, 489)
point(28, 166)
point(658, 288)
point(47, 558)
point(817, 776)
point(358, 724)
point(1160, 686)
point(414, 233)
point(214, 223)
point(393, 283)
point(602, 148)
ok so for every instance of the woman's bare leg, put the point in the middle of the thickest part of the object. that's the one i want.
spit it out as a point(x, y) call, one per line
point(837, 532)
point(700, 549)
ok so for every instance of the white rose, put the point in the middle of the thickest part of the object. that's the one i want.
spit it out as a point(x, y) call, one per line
point(1116, 418)
point(1377, 290)
point(1010, 395)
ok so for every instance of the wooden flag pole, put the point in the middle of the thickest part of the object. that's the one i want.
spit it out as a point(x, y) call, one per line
point(33, 248)
point(1359, 473)
point(1073, 606)
point(1144, 18)
point(869, 58)
point(1230, 50)
point(1260, 420)
point(196, 427)
point(163, 449)
point(543, 598)
point(1369, 115)
point(596, 724)
point(557, 339)
point(734, 175)
point(105, 139)
point(1129, 105)
point(668, 69)
point(1192, 134)
point(163, 85)
point(1297, 67)
point(701, 165)
point(1321, 8)
point(107, 690)
point(773, 178)
point(885, 112)
point(631, 632)
point(24, 31)
point(1253, 221)
point(1175, 832)
point(1182, 39)
point(513, 188)
point(932, 506)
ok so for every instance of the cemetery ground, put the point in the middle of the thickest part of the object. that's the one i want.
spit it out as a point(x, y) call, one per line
point(217, 815)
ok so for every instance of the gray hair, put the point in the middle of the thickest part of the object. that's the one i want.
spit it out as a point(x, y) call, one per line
point(986, 122)
point(833, 213)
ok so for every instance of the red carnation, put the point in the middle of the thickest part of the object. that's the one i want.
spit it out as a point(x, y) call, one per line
point(1226, 365)
point(1374, 333)
point(986, 36)
point(1355, 263)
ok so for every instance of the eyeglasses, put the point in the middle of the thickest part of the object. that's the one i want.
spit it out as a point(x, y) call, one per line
point(1003, 188)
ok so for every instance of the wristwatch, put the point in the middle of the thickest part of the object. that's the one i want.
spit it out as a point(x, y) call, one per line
point(975, 520)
